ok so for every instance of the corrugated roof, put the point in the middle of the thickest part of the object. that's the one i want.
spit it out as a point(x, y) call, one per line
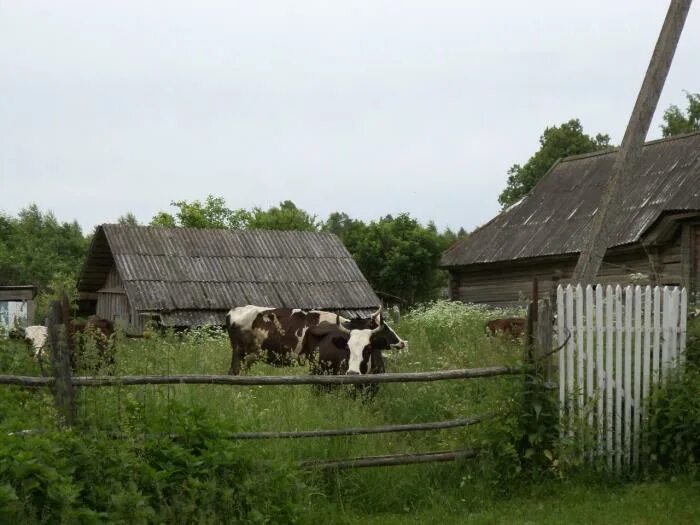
point(555, 216)
point(192, 275)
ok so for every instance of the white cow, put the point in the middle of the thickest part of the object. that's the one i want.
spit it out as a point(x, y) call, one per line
point(37, 337)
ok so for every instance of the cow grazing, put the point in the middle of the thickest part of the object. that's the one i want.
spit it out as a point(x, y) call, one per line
point(292, 335)
point(330, 348)
point(512, 326)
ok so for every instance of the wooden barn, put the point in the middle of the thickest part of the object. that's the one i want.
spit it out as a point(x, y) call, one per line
point(656, 231)
point(183, 277)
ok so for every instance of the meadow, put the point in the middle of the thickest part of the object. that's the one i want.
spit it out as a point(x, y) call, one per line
point(159, 454)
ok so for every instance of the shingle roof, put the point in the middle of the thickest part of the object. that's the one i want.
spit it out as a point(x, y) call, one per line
point(193, 273)
point(555, 216)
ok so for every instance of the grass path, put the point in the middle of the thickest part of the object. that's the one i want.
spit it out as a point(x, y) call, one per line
point(572, 503)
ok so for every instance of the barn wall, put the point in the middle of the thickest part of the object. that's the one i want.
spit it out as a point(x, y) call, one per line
point(113, 304)
point(504, 284)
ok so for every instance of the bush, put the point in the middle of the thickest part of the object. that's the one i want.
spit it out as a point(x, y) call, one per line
point(67, 477)
point(675, 422)
point(675, 412)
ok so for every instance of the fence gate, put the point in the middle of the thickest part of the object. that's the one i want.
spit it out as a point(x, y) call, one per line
point(621, 345)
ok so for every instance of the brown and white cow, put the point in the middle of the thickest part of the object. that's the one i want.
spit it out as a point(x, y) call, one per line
point(286, 336)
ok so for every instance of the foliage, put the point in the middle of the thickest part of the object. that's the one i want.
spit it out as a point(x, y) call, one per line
point(676, 123)
point(398, 255)
point(60, 285)
point(35, 248)
point(212, 213)
point(538, 425)
point(128, 219)
point(675, 412)
point(67, 477)
point(286, 216)
point(555, 143)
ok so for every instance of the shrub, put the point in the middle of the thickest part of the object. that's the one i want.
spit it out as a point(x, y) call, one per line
point(72, 477)
point(675, 412)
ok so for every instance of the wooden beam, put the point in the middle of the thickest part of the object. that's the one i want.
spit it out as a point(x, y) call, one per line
point(391, 460)
point(628, 157)
point(410, 427)
point(189, 379)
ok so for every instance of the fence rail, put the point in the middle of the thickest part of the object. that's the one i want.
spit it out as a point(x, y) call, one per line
point(391, 459)
point(189, 379)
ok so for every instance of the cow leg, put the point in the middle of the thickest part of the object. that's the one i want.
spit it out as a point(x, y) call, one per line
point(235, 361)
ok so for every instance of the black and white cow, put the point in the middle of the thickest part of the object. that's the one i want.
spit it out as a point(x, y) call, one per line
point(285, 336)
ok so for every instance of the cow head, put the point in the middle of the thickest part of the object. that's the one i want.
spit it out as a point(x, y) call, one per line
point(383, 339)
point(359, 343)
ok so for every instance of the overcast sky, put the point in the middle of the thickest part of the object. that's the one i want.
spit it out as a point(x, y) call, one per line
point(368, 107)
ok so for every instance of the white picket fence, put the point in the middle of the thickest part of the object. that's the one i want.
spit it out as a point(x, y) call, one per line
point(621, 344)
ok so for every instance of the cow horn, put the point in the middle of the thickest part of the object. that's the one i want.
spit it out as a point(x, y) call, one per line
point(340, 326)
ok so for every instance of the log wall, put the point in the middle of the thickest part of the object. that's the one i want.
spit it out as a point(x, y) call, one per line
point(510, 283)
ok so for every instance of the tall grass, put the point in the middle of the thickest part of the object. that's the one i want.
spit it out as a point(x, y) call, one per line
point(441, 336)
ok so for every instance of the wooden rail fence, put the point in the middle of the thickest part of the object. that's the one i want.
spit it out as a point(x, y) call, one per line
point(195, 379)
point(63, 384)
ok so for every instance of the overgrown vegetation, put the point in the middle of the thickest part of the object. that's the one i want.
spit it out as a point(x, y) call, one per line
point(675, 416)
point(157, 454)
point(35, 248)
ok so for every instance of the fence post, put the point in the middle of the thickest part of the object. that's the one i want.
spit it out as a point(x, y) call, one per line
point(60, 361)
point(532, 316)
point(543, 340)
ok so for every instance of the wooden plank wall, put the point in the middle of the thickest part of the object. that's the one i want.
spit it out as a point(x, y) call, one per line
point(113, 304)
point(505, 284)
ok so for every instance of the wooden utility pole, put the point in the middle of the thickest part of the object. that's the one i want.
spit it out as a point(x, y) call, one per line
point(629, 155)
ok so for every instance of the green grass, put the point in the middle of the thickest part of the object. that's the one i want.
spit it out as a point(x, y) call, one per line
point(569, 503)
point(192, 479)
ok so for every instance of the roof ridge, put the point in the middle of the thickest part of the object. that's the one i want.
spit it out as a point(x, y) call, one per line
point(607, 151)
point(223, 230)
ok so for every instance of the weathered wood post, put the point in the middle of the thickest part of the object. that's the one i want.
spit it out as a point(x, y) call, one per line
point(532, 314)
point(60, 361)
point(543, 340)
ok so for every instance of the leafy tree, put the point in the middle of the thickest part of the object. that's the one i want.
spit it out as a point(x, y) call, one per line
point(36, 249)
point(163, 219)
point(399, 257)
point(556, 142)
point(212, 213)
point(286, 216)
point(676, 123)
point(128, 219)
point(351, 231)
